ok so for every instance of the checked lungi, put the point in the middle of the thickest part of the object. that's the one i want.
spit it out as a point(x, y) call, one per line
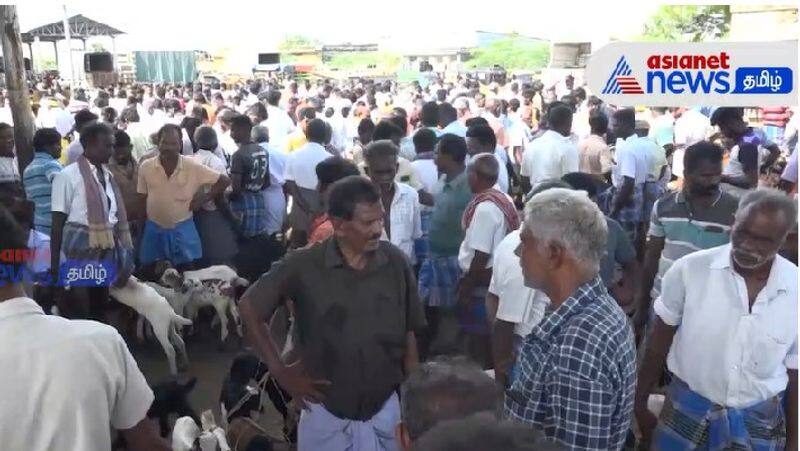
point(630, 215)
point(250, 213)
point(691, 422)
point(75, 246)
point(438, 279)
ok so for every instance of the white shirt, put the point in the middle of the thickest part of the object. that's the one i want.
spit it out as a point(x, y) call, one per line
point(74, 150)
point(405, 223)
point(69, 195)
point(692, 127)
point(209, 159)
point(502, 171)
point(724, 352)
point(63, 121)
point(279, 124)
point(520, 305)
point(456, 128)
point(9, 170)
point(301, 165)
point(81, 371)
point(273, 194)
point(484, 234)
point(428, 173)
point(633, 160)
point(549, 157)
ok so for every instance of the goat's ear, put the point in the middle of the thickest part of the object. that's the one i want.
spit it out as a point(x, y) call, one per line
point(190, 385)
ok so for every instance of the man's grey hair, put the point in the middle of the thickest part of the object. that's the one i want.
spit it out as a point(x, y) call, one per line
point(771, 199)
point(445, 389)
point(570, 219)
point(205, 137)
point(259, 134)
point(485, 432)
point(486, 167)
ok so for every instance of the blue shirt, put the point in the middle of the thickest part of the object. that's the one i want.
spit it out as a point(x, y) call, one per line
point(576, 373)
point(38, 182)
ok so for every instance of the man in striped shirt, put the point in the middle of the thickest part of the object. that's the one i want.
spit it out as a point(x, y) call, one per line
point(38, 176)
point(697, 217)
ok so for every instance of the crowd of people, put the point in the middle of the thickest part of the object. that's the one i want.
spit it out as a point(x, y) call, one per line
point(465, 266)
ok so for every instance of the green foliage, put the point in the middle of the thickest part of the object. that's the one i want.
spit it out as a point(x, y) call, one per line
point(97, 47)
point(693, 23)
point(297, 42)
point(512, 53)
point(47, 64)
point(363, 60)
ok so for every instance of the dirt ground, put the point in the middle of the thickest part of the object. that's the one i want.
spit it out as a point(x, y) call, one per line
point(209, 364)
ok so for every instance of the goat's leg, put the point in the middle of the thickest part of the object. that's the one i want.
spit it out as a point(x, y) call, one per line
point(223, 321)
point(235, 314)
point(162, 335)
point(177, 341)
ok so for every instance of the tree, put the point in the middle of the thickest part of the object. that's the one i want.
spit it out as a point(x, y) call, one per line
point(98, 47)
point(512, 53)
point(688, 23)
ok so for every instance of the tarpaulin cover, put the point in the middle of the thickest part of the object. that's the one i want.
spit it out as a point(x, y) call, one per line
point(169, 66)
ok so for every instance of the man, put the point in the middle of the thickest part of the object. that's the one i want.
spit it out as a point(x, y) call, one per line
point(226, 146)
point(629, 176)
point(83, 118)
point(577, 367)
point(38, 175)
point(553, 154)
point(481, 139)
point(429, 117)
point(743, 169)
point(493, 113)
point(89, 223)
point(169, 183)
point(511, 307)
point(354, 352)
point(301, 181)
point(483, 431)
point(726, 326)
point(10, 180)
point(439, 274)
point(274, 196)
point(298, 139)
point(698, 217)
point(595, 156)
point(329, 171)
point(82, 370)
point(126, 172)
point(788, 182)
point(278, 122)
point(619, 268)
point(449, 123)
point(249, 177)
point(402, 224)
point(487, 219)
point(442, 390)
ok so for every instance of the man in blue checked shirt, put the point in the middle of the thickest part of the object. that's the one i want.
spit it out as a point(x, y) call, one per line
point(576, 371)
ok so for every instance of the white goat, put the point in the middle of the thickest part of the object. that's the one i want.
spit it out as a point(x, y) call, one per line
point(216, 293)
point(158, 312)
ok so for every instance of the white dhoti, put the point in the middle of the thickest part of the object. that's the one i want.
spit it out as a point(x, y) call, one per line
point(321, 430)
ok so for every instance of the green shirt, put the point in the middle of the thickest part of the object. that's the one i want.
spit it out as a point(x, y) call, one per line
point(445, 233)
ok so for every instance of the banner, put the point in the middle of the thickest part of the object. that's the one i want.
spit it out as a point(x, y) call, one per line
point(159, 67)
point(695, 74)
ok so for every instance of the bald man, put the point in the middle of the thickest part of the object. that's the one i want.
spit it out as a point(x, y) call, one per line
point(488, 218)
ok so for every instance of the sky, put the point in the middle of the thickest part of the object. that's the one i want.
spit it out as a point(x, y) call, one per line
point(177, 25)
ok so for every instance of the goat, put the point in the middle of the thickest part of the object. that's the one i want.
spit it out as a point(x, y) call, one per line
point(155, 308)
point(216, 293)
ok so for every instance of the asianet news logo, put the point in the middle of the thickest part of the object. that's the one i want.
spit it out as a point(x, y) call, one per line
point(697, 74)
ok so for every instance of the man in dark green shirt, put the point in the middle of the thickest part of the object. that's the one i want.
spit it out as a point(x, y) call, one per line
point(357, 311)
point(439, 273)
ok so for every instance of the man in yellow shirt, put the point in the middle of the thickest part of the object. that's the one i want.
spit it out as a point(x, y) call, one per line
point(297, 139)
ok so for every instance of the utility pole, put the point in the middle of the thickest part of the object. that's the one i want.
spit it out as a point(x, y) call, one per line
point(16, 85)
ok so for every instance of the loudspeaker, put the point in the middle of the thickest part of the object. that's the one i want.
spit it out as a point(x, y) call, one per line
point(269, 58)
point(98, 62)
point(26, 63)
